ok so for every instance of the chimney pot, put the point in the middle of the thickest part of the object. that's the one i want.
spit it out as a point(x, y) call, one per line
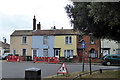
point(34, 23)
point(39, 26)
point(54, 27)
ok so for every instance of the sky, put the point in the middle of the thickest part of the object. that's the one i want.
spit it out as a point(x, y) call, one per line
point(18, 15)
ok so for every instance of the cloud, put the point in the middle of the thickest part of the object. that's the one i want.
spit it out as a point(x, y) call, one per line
point(18, 14)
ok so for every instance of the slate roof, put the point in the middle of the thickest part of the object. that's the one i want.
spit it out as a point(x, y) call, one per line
point(44, 32)
point(56, 32)
point(4, 45)
point(22, 33)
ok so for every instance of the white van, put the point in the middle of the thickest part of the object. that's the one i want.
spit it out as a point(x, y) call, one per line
point(4, 56)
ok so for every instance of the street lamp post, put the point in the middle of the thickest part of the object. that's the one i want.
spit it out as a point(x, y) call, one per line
point(90, 63)
point(90, 57)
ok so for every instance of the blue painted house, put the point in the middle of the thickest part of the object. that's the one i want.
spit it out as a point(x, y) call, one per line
point(42, 44)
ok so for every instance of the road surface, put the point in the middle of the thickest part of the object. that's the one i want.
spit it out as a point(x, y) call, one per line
point(17, 70)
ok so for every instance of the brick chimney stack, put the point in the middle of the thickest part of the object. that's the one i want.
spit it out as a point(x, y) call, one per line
point(34, 23)
point(54, 27)
point(39, 26)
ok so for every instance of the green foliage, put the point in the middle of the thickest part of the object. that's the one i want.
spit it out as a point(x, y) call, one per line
point(99, 18)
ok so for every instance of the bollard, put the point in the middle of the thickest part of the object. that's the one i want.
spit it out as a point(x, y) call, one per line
point(80, 75)
point(32, 74)
point(100, 70)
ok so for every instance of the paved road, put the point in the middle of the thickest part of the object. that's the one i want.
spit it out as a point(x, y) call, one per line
point(0, 69)
point(17, 70)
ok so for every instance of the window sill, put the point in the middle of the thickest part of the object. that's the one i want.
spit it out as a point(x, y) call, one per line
point(92, 44)
point(68, 44)
point(24, 43)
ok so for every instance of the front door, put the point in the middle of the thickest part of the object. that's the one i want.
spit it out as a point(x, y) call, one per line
point(24, 52)
point(34, 53)
point(57, 53)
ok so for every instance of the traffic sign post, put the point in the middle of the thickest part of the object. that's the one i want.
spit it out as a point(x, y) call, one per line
point(83, 46)
point(62, 69)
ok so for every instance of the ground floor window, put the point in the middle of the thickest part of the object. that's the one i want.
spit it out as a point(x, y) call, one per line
point(93, 53)
point(24, 52)
point(68, 53)
point(45, 52)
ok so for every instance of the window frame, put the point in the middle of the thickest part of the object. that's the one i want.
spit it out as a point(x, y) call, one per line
point(45, 40)
point(68, 39)
point(92, 38)
point(93, 54)
point(70, 53)
point(24, 42)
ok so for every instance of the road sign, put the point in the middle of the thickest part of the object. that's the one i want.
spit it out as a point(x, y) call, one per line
point(62, 69)
point(83, 44)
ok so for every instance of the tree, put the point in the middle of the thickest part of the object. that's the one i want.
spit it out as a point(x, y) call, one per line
point(99, 18)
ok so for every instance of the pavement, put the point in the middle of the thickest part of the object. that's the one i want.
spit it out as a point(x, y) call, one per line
point(69, 63)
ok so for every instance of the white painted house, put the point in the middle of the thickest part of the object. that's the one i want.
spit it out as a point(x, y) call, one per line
point(110, 47)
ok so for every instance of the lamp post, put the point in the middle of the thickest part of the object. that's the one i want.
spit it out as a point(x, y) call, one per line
point(90, 57)
point(90, 63)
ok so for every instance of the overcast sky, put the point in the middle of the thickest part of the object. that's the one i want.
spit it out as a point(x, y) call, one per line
point(18, 15)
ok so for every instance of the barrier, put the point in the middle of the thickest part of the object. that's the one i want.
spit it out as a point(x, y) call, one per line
point(46, 59)
point(13, 58)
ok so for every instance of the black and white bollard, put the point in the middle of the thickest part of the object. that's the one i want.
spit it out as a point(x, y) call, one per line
point(32, 74)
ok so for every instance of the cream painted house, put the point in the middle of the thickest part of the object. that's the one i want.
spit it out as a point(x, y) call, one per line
point(21, 42)
point(110, 47)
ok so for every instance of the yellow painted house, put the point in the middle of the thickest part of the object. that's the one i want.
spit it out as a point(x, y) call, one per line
point(65, 43)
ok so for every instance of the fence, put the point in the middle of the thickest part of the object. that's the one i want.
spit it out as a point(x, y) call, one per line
point(46, 59)
point(80, 75)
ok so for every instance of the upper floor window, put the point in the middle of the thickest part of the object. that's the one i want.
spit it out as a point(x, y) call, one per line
point(92, 40)
point(24, 39)
point(45, 40)
point(68, 40)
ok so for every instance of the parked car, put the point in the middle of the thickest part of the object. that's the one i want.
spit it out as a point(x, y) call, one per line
point(4, 56)
point(111, 59)
point(0, 57)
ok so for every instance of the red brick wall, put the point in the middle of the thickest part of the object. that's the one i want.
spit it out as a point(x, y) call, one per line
point(89, 46)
